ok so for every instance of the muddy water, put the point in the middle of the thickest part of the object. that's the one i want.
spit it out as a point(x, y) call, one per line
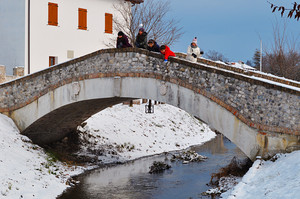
point(132, 180)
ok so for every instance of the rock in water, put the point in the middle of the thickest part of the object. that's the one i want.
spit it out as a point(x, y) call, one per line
point(158, 167)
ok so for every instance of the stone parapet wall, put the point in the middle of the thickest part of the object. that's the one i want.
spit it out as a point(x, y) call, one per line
point(259, 104)
point(245, 72)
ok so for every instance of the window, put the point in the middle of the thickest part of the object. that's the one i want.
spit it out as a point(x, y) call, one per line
point(108, 23)
point(52, 60)
point(82, 19)
point(70, 54)
point(52, 14)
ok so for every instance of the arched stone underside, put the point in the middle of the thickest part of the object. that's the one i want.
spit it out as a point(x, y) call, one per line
point(260, 118)
point(58, 123)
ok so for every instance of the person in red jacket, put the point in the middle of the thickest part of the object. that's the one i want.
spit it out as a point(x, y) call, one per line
point(165, 50)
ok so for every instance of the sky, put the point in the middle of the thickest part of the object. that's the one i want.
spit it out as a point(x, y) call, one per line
point(231, 27)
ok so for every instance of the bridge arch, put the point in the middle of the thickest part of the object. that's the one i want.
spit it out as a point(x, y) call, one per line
point(49, 104)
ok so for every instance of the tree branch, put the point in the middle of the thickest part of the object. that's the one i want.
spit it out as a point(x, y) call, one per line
point(295, 11)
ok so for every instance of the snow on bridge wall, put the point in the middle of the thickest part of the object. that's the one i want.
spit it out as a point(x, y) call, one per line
point(259, 117)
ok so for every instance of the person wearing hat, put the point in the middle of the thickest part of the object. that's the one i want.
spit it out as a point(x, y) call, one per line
point(153, 46)
point(193, 51)
point(122, 41)
point(141, 39)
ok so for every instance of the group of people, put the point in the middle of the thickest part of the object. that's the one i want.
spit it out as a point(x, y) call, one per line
point(141, 42)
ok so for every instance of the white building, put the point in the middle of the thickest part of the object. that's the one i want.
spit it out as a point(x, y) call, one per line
point(37, 34)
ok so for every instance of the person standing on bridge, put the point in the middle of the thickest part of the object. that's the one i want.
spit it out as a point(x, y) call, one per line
point(141, 39)
point(193, 51)
point(153, 46)
point(122, 41)
point(165, 50)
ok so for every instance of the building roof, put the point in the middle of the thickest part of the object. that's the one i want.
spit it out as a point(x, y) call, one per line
point(135, 1)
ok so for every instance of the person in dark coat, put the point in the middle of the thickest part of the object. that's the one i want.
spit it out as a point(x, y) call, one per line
point(153, 46)
point(122, 41)
point(141, 39)
point(165, 50)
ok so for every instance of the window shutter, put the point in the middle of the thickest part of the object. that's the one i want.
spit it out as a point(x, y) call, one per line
point(52, 14)
point(52, 61)
point(108, 23)
point(82, 19)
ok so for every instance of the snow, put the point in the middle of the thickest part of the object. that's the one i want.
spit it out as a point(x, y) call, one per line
point(271, 75)
point(224, 184)
point(270, 180)
point(247, 68)
point(239, 65)
point(26, 171)
point(259, 78)
point(133, 134)
point(276, 83)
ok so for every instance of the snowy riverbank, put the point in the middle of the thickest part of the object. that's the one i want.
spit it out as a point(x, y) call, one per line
point(120, 132)
point(26, 170)
point(269, 179)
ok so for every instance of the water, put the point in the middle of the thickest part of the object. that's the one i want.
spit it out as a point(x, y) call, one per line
point(132, 180)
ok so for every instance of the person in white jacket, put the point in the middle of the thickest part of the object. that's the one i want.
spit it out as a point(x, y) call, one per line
point(193, 51)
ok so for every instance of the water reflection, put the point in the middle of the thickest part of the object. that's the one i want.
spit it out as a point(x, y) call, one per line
point(216, 146)
point(133, 181)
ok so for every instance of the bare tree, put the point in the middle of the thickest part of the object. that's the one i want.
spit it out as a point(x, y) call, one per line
point(283, 59)
point(294, 11)
point(216, 56)
point(153, 15)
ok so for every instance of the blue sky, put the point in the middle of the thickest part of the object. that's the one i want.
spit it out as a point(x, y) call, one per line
point(232, 27)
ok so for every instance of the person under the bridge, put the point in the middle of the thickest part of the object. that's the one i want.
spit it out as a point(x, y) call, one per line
point(122, 41)
point(165, 50)
point(193, 51)
point(141, 39)
point(153, 46)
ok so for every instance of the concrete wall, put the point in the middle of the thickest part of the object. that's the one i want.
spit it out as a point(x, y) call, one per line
point(12, 33)
point(47, 40)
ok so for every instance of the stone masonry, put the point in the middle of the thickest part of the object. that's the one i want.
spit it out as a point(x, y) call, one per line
point(17, 72)
point(259, 104)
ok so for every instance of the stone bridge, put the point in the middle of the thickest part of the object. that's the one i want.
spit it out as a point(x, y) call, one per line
point(260, 117)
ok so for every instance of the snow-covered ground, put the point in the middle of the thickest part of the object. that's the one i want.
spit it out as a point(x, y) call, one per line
point(270, 180)
point(28, 172)
point(131, 134)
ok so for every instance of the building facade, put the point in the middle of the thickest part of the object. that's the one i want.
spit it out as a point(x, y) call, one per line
point(40, 33)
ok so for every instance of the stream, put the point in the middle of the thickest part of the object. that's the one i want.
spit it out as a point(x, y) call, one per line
point(133, 181)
